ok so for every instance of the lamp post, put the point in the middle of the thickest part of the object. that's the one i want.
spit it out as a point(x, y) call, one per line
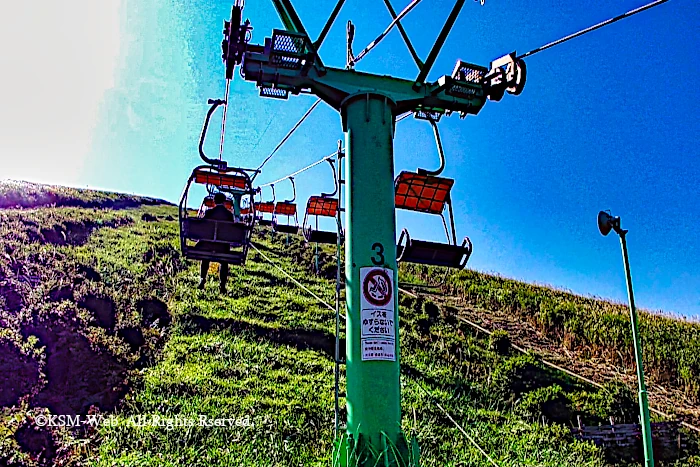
point(606, 223)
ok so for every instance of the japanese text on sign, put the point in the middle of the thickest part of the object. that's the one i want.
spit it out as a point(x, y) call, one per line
point(378, 323)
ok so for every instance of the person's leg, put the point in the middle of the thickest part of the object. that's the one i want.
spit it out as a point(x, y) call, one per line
point(223, 276)
point(203, 273)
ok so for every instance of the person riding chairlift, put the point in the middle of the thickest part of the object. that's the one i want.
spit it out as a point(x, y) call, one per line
point(217, 213)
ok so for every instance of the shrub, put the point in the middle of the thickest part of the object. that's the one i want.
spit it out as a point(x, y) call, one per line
point(615, 400)
point(550, 402)
point(499, 342)
point(516, 376)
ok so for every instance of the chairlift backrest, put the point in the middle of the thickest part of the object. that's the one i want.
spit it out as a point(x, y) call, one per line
point(265, 207)
point(322, 206)
point(422, 193)
point(285, 209)
point(211, 176)
point(288, 207)
point(209, 202)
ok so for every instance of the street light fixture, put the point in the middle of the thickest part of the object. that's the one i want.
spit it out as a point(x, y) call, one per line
point(606, 223)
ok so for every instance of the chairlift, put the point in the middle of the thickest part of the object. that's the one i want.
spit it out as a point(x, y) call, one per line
point(218, 241)
point(214, 240)
point(266, 207)
point(424, 191)
point(324, 205)
point(287, 208)
point(208, 203)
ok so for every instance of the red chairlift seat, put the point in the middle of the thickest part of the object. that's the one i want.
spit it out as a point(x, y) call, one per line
point(325, 207)
point(428, 194)
point(422, 193)
point(218, 241)
point(266, 207)
point(289, 209)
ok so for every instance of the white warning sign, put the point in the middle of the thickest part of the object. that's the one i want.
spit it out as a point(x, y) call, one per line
point(377, 314)
point(379, 349)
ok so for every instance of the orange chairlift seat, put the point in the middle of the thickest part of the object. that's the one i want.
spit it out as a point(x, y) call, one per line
point(287, 208)
point(209, 239)
point(208, 203)
point(425, 192)
point(266, 207)
point(324, 205)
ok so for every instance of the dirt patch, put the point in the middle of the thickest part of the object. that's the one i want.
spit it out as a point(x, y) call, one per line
point(53, 236)
point(103, 309)
point(60, 293)
point(19, 373)
point(14, 301)
point(154, 313)
point(89, 273)
point(133, 337)
point(78, 376)
point(77, 233)
point(38, 442)
point(74, 233)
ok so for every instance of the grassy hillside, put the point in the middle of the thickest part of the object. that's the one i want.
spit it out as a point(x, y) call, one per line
point(17, 194)
point(592, 329)
point(100, 315)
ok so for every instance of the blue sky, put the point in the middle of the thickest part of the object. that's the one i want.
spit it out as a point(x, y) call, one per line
point(606, 121)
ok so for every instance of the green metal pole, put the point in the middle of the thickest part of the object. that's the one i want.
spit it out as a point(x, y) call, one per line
point(373, 436)
point(643, 401)
point(237, 204)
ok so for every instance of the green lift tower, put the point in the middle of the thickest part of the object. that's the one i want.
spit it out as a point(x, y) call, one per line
point(289, 63)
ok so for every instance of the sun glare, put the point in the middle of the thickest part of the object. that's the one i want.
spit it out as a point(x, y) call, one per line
point(58, 59)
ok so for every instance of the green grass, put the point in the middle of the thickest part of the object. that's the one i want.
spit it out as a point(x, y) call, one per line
point(261, 354)
point(671, 346)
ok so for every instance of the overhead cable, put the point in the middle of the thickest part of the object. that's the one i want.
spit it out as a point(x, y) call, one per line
point(379, 38)
point(457, 425)
point(320, 161)
point(223, 120)
point(593, 28)
point(319, 299)
point(284, 140)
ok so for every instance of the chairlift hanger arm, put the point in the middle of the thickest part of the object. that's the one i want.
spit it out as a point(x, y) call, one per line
point(335, 180)
point(294, 191)
point(215, 103)
point(320, 161)
point(438, 143)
